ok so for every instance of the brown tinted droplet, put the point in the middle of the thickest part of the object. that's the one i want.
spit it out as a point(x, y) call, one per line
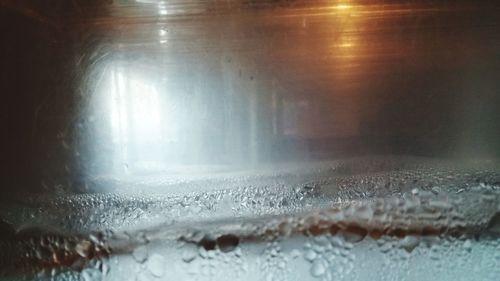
point(375, 234)
point(207, 243)
point(334, 229)
point(494, 224)
point(354, 233)
point(227, 243)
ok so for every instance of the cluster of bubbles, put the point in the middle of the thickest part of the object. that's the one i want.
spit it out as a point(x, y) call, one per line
point(318, 224)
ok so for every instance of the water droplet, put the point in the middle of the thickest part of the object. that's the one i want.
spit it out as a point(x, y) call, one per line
point(156, 265)
point(105, 268)
point(468, 245)
point(91, 274)
point(227, 243)
point(318, 268)
point(140, 254)
point(310, 255)
point(208, 243)
point(83, 248)
point(295, 253)
point(409, 243)
point(354, 234)
point(494, 224)
point(189, 255)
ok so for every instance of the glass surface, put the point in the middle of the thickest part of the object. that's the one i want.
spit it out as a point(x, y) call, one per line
point(250, 140)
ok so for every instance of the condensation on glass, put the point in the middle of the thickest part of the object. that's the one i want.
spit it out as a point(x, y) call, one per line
point(250, 140)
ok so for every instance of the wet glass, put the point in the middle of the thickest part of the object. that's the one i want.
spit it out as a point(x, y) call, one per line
point(250, 140)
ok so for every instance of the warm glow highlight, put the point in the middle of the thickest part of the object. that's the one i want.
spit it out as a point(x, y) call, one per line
point(343, 7)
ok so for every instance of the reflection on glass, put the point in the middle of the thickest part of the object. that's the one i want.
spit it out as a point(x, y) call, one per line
point(292, 83)
point(135, 120)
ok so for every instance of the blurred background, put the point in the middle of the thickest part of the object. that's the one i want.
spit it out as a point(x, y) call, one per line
point(101, 89)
